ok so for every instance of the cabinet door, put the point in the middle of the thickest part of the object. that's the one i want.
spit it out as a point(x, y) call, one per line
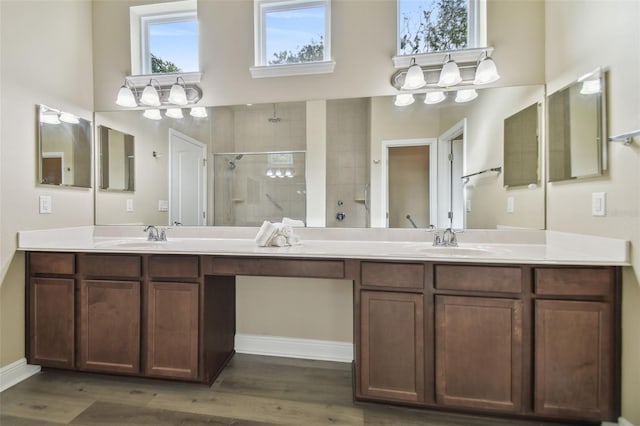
point(392, 346)
point(51, 322)
point(479, 352)
point(172, 330)
point(110, 326)
point(573, 359)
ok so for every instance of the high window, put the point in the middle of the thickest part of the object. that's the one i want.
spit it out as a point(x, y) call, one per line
point(292, 32)
point(426, 26)
point(164, 38)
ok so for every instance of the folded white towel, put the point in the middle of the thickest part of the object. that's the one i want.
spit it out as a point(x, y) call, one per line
point(266, 233)
point(284, 229)
point(293, 240)
point(293, 222)
point(278, 241)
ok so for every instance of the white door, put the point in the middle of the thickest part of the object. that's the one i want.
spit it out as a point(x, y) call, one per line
point(188, 176)
point(450, 170)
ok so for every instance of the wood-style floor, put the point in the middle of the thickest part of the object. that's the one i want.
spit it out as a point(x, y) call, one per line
point(252, 390)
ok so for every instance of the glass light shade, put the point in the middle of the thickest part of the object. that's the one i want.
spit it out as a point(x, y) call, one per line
point(289, 173)
point(450, 74)
point(69, 118)
point(590, 87)
point(126, 98)
point(150, 96)
point(49, 117)
point(434, 97)
point(404, 99)
point(198, 112)
point(270, 173)
point(279, 173)
point(177, 95)
point(174, 113)
point(152, 114)
point(486, 72)
point(466, 95)
point(414, 79)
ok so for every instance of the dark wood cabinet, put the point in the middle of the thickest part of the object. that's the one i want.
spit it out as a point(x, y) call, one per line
point(109, 326)
point(479, 353)
point(573, 369)
point(392, 346)
point(172, 330)
point(52, 322)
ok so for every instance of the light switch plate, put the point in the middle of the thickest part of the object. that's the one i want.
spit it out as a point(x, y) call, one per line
point(129, 204)
point(163, 205)
point(599, 204)
point(510, 205)
point(44, 202)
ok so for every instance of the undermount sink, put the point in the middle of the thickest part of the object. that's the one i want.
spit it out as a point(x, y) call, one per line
point(132, 244)
point(453, 251)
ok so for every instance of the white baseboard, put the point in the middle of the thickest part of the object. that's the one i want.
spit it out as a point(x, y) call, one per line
point(323, 350)
point(621, 422)
point(16, 372)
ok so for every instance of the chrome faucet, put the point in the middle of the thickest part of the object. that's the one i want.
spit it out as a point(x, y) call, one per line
point(448, 238)
point(155, 234)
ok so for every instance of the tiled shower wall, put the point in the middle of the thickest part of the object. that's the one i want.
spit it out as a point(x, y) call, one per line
point(348, 124)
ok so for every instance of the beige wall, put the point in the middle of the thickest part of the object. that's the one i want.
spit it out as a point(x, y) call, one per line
point(583, 35)
point(46, 58)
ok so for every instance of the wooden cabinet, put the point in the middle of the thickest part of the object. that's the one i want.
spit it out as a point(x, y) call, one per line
point(479, 352)
point(172, 330)
point(109, 326)
point(51, 322)
point(392, 346)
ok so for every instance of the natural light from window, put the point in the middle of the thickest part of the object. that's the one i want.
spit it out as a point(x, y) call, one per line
point(426, 26)
point(295, 35)
point(173, 46)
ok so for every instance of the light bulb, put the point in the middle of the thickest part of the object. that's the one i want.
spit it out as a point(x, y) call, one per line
point(150, 96)
point(174, 113)
point(486, 72)
point(198, 112)
point(152, 114)
point(404, 99)
point(434, 97)
point(450, 74)
point(126, 98)
point(414, 78)
point(466, 95)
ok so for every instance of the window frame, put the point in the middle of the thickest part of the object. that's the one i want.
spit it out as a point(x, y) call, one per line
point(142, 17)
point(261, 66)
point(476, 36)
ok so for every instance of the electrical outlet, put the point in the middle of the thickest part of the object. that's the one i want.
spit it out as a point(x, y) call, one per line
point(129, 204)
point(510, 205)
point(599, 204)
point(44, 202)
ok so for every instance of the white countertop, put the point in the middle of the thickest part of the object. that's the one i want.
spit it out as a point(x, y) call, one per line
point(486, 246)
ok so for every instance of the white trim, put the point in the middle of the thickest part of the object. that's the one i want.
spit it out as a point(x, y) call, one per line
point(285, 70)
point(432, 143)
point(16, 372)
point(461, 56)
point(624, 422)
point(288, 347)
point(460, 128)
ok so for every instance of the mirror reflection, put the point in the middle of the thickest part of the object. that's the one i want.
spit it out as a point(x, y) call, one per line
point(576, 129)
point(117, 160)
point(354, 163)
point(65, 148)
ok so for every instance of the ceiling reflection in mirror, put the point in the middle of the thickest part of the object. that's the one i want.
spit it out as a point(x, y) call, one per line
point(360, 180)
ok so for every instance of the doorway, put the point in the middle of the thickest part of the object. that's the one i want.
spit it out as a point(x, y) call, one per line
point(451, 164)
point(187, 180)
point(52, 168)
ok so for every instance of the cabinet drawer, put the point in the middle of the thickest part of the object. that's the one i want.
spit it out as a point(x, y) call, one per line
point(104, 265)
point(573, 282)
point(173, 266)
point(52, 263)
point(479, 278)
point(398, 275)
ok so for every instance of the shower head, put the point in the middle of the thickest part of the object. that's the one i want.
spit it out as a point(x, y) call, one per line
point(232, 162)
point(274, 118)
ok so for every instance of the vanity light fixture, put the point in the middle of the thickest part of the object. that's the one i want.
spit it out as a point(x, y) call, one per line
point(404, 99)
point(125, 97)
point(49, 116)
point(270, 173)
point(590, 87)
point(178, 94)
point(434, 97)
point(198, 112)
point(152, 114)
point(486, 72)
point(414, 78)
point(466, 95)
point(69, 118)
point(150, 95)
point(450, 74)
point(174, 113)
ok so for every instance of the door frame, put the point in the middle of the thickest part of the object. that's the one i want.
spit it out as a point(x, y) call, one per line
point(460, 128)
point(433, 176)
point(174, 133)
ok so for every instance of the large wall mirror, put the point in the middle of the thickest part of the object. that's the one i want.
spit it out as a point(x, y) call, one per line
point(577, 129)
point(383, 165)
point(64, 155)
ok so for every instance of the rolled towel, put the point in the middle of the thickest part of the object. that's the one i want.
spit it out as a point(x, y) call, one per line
point(266, 233)
point(284, 229)
point(293, 240)
point(278, 241)
point(293, 222)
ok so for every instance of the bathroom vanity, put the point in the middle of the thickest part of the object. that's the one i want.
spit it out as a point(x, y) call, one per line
point(467, 333)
